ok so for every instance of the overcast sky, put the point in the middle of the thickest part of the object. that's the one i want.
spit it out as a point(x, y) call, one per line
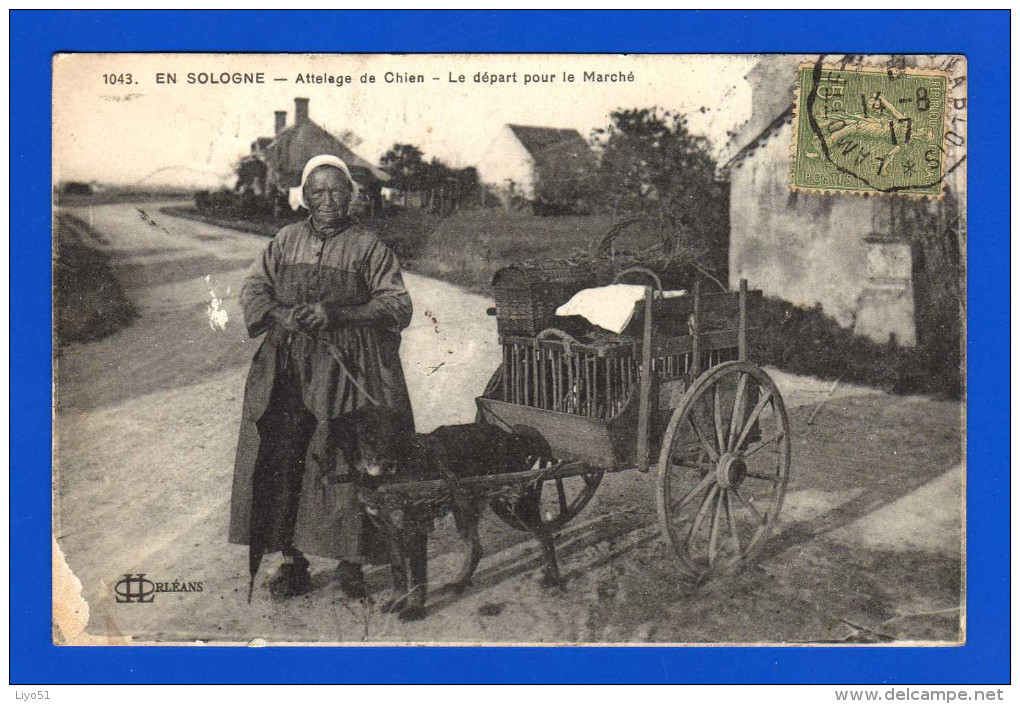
point(189, 134)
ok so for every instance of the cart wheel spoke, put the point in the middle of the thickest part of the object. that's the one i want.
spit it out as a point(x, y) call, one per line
point(561, 493)
point(717, 415)
point(757, 515)
point(736, 418)
point(763, 476)
point(775, 438)
point(765, 399)
point(731, 517)
point(713, 537)
point(693, 493)
point(703, 440)
point(702, 512)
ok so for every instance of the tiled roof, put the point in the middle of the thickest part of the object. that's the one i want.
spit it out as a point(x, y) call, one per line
point(541, 141)
point(293, 147)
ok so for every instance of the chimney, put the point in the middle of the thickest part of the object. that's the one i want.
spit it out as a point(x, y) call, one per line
point(300, 110)
point(281, 120)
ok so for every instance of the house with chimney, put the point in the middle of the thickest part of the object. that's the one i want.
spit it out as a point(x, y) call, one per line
point(275, 163)
point(886, 267)
point(520, 156)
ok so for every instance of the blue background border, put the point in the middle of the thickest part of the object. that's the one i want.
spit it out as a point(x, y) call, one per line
point(982, 36)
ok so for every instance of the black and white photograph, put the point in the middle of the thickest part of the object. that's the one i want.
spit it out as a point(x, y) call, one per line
point(510, 349)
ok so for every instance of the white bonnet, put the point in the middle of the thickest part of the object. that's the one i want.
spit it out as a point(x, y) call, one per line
point(297, 195)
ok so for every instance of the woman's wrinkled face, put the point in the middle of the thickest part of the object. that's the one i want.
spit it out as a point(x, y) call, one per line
point(328, 195)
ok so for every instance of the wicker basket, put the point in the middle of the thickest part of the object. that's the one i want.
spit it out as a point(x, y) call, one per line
point(528, 294)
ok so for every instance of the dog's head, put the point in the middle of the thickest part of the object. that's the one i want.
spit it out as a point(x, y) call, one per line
point(373, 441)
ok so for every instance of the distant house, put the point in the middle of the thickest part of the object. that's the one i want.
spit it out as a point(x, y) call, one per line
point(888, 266)
point(519, 155)
point(284, 156)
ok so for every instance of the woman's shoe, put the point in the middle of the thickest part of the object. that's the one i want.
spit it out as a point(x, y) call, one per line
point(352, 579)
point(291, 580)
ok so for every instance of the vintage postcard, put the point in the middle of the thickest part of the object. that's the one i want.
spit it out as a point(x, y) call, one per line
point(509, 349)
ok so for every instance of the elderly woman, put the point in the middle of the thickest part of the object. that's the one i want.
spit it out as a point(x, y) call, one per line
point(331, 301)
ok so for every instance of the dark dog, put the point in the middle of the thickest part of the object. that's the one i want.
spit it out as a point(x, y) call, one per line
point(382, 453)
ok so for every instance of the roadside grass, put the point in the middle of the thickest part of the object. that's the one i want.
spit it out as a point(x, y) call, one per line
point(89, 303)
point(806, 341)
point(124, 195)
point(264, 227)
point(469, 247)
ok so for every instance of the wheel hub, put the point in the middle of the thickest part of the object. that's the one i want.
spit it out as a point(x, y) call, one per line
point(730, 471)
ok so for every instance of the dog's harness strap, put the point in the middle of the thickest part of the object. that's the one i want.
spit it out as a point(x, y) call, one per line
point(440, 461)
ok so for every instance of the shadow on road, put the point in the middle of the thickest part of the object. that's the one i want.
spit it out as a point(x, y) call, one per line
point(839, 465)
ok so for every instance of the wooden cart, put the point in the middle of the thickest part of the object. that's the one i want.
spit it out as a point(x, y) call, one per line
point(678, 395)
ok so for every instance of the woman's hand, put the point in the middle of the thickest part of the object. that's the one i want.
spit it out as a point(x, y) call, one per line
point(285, 316)
point(312, 316)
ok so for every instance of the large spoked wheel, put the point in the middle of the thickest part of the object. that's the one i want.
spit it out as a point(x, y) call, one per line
point(551, 504)
point(548, 505)
point(723, 469)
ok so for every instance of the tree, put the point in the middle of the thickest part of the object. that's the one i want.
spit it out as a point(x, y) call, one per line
point(565, 180)
point(652, 164)
point(251, 174)
point(468, 184)
point(442, 187)
point(405, 163)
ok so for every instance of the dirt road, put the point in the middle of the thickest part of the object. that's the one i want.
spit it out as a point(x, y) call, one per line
point(868, 547)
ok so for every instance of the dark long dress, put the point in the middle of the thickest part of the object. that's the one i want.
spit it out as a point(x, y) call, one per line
point(281, 496)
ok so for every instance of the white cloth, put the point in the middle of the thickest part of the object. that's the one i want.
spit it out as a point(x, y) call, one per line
point(609, 307)
point(296, 197)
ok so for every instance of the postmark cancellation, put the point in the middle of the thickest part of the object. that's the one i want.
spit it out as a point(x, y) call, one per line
point(872, 129)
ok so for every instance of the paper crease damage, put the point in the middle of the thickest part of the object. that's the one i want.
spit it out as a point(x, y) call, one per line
point(70, 610)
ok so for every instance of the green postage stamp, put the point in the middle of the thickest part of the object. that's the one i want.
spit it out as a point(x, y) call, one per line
point(870, 129)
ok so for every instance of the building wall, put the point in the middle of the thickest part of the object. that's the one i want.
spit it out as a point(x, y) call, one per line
point(507, 160)
point(835, 250)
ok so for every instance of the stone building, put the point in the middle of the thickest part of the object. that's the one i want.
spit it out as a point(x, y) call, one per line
point(889, 266)
point(285, 154)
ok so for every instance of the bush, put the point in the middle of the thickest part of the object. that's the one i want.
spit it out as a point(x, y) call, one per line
point(806, 341)
point(405, 231)
point(243, 205)
point(89, 303)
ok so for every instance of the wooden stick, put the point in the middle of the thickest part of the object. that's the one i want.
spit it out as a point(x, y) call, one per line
point(610, 391)
point(696, 325)
point(571, 399)
point(644, 410)
point(527, 381)
point(557, 381)
point(511, 377)
point(832, 390)
point(506, 377)
point(544, 378)
point(533, 356)
point(589, 388)
point(742, 323)
point(517, 375)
